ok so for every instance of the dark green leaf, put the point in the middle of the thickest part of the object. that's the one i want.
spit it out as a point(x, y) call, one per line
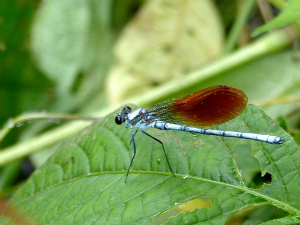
point(282, 122)
point(296, 136)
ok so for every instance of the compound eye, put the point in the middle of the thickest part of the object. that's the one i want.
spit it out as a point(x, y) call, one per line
point(118, 120)
point(128, 109)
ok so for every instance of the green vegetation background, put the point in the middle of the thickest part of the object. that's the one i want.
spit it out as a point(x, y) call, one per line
point(82, 57)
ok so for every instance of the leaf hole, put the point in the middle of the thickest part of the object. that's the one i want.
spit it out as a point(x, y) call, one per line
point(189, 205)
point(259, 180)
point(248, 165)
point(193, 204)
point(256, 215)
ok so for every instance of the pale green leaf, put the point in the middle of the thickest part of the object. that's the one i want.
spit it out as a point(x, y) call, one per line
point(166, 40)
point(71, 37)
point(290, 14)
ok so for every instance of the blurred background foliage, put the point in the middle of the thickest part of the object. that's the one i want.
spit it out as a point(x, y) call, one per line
point(81, 56)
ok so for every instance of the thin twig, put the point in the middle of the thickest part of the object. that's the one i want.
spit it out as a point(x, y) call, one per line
point(15, 122)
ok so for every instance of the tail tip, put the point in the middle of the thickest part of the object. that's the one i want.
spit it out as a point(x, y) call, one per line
point(280, 141)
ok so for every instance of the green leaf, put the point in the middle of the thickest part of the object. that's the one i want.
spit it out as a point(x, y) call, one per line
point(71, 37)
point(72, 43)
point(60, 61)
point(284, 221)
point(296, 137)
point(83, 182)
point(290, 14)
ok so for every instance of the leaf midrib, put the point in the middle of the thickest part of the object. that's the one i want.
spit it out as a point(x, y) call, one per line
point(275, 202)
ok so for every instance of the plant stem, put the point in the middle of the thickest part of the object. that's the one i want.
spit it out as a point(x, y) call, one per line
point(40, 116)
point(280, 100)
point(238, 26)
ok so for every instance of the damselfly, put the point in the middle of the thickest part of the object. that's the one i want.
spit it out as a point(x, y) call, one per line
point(194, 113)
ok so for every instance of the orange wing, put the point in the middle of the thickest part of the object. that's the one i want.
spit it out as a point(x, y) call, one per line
point(205, 108)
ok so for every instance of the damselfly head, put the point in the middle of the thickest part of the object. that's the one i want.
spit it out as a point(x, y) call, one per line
point(120, 118)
